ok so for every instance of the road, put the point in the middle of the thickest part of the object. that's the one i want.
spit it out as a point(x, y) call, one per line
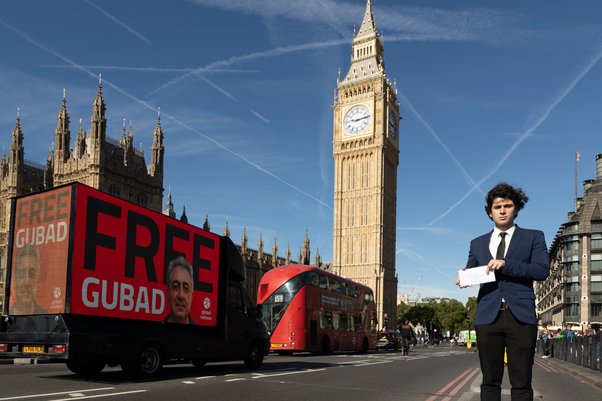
point(427, 374)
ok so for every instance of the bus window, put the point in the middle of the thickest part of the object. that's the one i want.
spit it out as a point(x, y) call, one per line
point(336, 286)
point(326, 320)
point(324, 282)
point(344, 323)
point(357, 323)
point(310, 278)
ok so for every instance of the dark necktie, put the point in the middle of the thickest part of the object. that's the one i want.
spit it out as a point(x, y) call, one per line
point(501, 248)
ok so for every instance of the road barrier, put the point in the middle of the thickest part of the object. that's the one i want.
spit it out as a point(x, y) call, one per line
point(580, 350)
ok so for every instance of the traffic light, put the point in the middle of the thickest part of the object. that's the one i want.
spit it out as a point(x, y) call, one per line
point(386, 320)
point(468, 318)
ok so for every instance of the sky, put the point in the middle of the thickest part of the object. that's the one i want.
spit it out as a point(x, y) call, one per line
point(488, 92)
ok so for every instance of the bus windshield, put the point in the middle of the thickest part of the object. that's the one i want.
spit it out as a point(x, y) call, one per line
point(275, 306)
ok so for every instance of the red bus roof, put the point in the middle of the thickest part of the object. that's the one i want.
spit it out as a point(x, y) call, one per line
point(274, 278)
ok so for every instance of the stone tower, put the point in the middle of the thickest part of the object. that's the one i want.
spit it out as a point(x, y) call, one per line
point(366, 156)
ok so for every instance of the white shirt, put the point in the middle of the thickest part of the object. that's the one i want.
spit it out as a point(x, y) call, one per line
point(495, 240)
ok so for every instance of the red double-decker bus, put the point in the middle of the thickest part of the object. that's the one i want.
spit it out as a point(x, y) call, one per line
point(310, 309)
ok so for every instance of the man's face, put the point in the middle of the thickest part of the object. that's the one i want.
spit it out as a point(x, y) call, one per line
point(503, 211)
point(26, 281)
point(180, 294)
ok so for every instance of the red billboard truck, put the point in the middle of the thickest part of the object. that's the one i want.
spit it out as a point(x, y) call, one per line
point(94, 280)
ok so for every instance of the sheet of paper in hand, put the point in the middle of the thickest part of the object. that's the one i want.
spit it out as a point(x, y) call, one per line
point(475, 275)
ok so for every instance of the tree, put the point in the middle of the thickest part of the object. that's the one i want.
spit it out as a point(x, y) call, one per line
point(450, 315)
point(471, 308)
point(402, 310)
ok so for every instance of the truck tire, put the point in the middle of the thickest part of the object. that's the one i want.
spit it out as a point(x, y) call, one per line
point(198, 363)
point(254, 358)
point(146, 363)
point(85, 365)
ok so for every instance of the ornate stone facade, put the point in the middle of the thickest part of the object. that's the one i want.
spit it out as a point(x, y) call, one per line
point(113, 166)
point(116, 167)
point(366, 156)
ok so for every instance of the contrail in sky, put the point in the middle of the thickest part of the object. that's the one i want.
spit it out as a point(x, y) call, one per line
point(417, 115)
point(150, 69)
point(555, 102)
point(252, 56)
point(121, 24)
point(163, 114)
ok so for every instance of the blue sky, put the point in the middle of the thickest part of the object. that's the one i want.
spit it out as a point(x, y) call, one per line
point(489, 92)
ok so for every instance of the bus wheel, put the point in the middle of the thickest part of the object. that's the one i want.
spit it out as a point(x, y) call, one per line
point(365, 346)
point(85, 365)
point(147, 363)
point(326, 346)
point(254, 358)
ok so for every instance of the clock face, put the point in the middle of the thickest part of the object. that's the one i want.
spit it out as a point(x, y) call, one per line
point(392, 124)
point(356, 119)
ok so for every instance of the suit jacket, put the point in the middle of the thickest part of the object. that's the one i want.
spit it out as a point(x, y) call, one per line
point(526, 260)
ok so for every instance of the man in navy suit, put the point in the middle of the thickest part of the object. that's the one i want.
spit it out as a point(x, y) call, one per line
point(506, 318)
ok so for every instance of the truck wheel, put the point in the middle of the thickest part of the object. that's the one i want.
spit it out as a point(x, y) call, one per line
point(85, 365)
point(198, 363)
point(254, 358)
point(147, 363)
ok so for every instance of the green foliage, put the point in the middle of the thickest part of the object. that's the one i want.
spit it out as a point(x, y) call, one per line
point(446, 315)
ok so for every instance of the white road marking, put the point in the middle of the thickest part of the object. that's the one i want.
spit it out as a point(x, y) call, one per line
point(290, 373)
point(102, 395)
point(24, 397)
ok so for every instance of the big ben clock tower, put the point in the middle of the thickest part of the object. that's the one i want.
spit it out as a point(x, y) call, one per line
point(366, 156)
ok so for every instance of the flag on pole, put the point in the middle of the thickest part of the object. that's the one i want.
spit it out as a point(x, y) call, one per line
point(577, 156)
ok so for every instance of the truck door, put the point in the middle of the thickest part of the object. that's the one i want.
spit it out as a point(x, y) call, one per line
point(238, 320)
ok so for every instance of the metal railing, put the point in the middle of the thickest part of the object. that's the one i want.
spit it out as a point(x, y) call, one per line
point(582, 351)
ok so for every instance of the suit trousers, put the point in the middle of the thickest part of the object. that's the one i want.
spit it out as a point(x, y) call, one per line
point(518, 340)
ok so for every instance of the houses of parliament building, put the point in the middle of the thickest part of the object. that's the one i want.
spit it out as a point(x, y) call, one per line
point(113, 166)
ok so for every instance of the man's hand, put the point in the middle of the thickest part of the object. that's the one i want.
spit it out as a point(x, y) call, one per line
point(495, 264)
point(458, 282)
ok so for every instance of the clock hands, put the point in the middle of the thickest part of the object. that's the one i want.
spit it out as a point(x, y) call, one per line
point(359, 118)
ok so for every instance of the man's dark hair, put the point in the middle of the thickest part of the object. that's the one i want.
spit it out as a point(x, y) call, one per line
point(506, 191)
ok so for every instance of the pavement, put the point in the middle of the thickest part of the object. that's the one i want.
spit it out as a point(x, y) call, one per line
point(594, 377)
point(585, 374)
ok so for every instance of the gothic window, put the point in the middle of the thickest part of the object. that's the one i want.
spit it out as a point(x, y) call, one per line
point(365, 173)
point(141, 200)
point(114, 190)
point(364, 218)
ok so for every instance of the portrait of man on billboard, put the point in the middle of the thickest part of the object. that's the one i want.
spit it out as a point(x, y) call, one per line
point(179, 291)
point(25, 277)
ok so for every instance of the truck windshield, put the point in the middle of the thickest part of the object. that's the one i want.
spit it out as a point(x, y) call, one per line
point(275, 306)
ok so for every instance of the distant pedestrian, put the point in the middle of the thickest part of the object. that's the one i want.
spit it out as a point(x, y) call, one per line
point(568, 332)
point(590, 331)
point(545, 342)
